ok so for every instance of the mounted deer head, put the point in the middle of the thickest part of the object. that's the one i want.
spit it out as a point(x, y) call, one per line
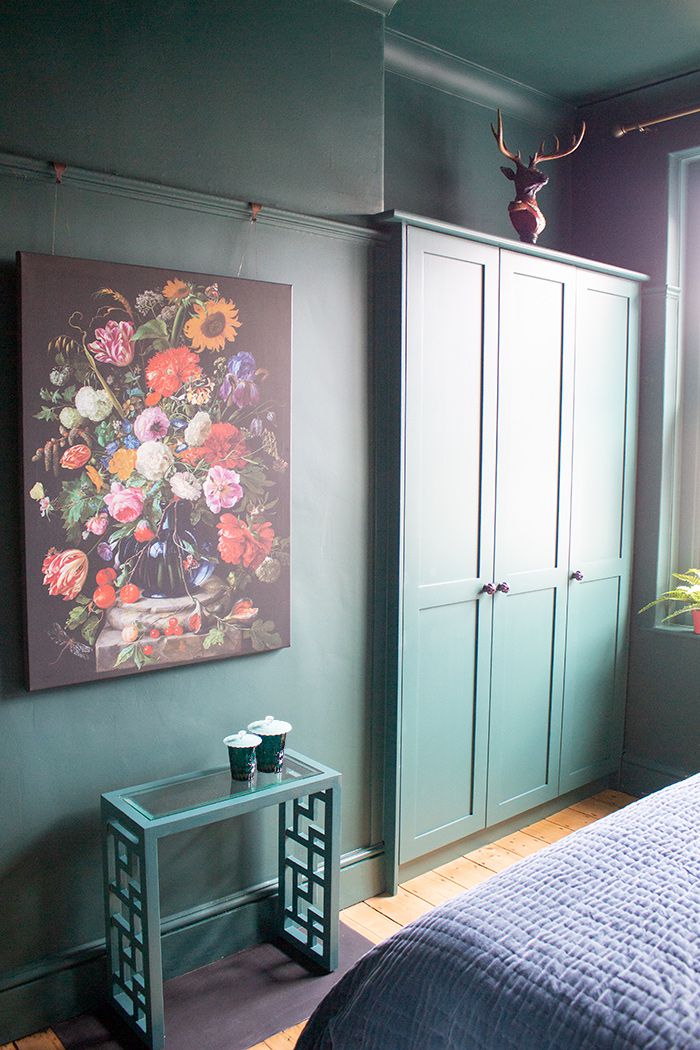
point(524, 211)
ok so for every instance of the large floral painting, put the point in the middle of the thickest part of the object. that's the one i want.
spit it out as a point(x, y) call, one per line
point(155, 410)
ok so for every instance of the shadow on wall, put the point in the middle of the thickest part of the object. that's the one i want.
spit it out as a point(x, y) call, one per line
point(29, 887)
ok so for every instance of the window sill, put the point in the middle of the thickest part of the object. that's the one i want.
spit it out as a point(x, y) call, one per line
point(673, 630)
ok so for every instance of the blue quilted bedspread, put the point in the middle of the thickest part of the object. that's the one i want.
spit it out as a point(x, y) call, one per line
point(591, 944)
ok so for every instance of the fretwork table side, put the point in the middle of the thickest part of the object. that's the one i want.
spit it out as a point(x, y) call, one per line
point(134, 819)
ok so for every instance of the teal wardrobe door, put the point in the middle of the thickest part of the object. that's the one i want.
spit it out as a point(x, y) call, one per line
point(450, 375)
point(535, 385)
point(601, 527)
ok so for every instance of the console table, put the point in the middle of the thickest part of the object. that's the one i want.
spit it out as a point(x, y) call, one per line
point(134, 819)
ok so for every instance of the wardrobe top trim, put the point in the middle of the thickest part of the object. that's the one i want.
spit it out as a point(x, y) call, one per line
point(408, 219)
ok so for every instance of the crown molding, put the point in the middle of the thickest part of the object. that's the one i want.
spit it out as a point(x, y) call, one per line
point(406, 57)
point(381, 7)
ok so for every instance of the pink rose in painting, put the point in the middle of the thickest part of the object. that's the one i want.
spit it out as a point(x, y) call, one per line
point(222, 489)
point(97, 524)
point(113, 344)
point(124, 504)
point(65, 572)
point(151, 424)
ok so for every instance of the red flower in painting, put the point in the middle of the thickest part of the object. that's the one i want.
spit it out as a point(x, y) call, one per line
point(65, 572)
point(168, 370)
point(240, 544)
point(224, 447)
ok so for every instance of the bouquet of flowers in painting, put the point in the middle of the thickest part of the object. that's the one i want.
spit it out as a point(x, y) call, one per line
point(156, 427)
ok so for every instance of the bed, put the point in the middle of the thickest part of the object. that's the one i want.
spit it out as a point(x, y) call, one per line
point(591, 944)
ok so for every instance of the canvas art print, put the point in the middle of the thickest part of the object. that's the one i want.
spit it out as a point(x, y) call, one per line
point(155, 408)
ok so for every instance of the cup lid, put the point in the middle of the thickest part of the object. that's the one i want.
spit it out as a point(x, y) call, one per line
point(269, 726)
point(242, 739)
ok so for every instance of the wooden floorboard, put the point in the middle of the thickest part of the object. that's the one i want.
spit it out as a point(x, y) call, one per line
point(379, 917)
point(45, 1040)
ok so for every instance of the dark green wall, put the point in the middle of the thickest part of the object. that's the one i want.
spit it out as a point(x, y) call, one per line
point(256, 99)
point(441, 160)
point(620, 215)
point(280, 103)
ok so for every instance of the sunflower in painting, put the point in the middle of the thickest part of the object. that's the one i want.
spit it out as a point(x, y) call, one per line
point(175, 289)
point(214, 323)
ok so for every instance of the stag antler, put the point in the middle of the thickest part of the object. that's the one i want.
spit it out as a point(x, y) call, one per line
point(498, 135)
point(540, 156)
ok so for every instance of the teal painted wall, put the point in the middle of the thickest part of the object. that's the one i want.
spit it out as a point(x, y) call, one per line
point(441, 160)
point(254, 100)
point(620, 215)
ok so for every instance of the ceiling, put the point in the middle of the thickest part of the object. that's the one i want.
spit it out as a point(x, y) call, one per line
point(573, 50)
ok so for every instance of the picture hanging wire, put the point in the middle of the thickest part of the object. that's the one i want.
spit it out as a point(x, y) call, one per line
point(255, 210)
point(58, 168)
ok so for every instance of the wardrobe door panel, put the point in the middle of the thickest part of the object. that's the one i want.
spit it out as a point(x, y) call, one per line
point(522, 689)
point(447, 646)
point(537, 300)
point(590, 731)
point(600, 420)
point(530, 419)
point(451, 331)
point(601, 527)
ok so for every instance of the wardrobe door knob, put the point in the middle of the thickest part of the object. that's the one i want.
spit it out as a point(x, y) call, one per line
point(503, 587)
point(489, 588)
point(577, 575)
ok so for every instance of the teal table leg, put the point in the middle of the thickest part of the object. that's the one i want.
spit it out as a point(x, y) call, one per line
point(309, 875)
point(132, 927)
point(153, 962)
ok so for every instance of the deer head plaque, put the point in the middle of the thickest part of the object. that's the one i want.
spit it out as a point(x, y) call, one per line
point(524, 211)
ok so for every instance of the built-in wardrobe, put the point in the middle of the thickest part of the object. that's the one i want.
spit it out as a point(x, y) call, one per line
point(507, 414)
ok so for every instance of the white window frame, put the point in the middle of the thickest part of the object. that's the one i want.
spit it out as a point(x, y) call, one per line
point(680, 447)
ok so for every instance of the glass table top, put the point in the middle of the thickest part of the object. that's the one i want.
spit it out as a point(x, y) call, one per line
point(216, 785)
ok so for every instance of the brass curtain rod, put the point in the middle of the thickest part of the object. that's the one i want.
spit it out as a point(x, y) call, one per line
point(619, 130)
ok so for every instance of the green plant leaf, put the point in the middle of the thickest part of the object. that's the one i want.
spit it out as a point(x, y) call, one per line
point(253, 478)
point(154, 329)
point(214, 637)
point(104, 432)
point(263, 635)
point(679, 612)
point(122, 531)
point(76, 616)
point(126, 654)
point(77, 505)
point(46, 414)
point(691, 576)
point(89, 631)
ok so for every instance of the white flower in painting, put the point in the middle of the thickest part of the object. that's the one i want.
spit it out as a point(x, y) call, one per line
point(185, 486)
point(198, 429)
point(153, 460)
point(93, 404)
point(70, 417)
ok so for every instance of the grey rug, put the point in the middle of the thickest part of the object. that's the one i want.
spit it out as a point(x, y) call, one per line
point(231, 1004)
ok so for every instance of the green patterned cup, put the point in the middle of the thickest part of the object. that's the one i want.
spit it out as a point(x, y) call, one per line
point(242, 754)
point(270, 751)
